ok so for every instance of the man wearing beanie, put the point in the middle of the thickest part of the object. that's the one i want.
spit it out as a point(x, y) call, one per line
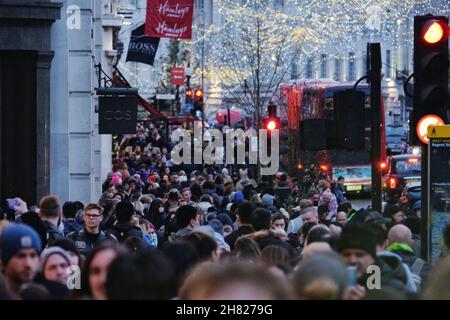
point(54, 263)
point(357, 245)
point(20, 247)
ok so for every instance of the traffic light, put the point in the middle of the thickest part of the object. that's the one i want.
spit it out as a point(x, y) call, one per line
point(430, 69)
point(272, 122)
point(349, 119)
point(198, 95)
point(198, 103)
point(188, 95)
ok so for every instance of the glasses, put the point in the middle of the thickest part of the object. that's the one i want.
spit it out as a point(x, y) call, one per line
point(92, 216)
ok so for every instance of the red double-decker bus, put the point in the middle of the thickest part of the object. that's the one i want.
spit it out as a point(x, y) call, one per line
point(312, 132)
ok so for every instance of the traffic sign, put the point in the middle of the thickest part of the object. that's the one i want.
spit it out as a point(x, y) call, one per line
point(439, 131)
point(424, 122)
point(177, 76)
point(438, 188)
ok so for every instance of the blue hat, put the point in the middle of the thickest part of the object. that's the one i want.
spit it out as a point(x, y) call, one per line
point(267, 199)
point(225, 219)
point(238, 197)
point(217, 225)
point(16, 237)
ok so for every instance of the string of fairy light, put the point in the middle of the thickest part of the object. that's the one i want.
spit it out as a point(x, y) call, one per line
point(336, 27)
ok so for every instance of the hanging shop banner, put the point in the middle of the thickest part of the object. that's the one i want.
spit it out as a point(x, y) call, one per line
point(169, 19)
point(142, 48)
point(117, 115)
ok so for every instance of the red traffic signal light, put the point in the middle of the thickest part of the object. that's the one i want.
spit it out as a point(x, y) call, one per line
point(434, 31)
point(272, 124)
point(189, 92)
point(198, 94)
point(430, 70)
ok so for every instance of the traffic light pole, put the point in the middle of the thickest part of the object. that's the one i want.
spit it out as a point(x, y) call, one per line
point(424, 230)
point(374, 78)
point(430, 100)
point(177, 101)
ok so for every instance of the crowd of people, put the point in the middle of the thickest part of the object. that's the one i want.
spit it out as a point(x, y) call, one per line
point(162, 231)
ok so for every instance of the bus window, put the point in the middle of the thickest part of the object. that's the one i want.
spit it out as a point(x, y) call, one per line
point(310, 106)
point(306, 106)
point(328, 108)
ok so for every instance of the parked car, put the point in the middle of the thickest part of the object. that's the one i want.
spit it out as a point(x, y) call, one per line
point(395, 144)
point(403, 171)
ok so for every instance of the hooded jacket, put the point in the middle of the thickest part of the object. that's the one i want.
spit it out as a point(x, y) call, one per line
point(393, 273)
point(53, 233)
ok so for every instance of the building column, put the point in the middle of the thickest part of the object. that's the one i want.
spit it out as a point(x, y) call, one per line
point(44, 61)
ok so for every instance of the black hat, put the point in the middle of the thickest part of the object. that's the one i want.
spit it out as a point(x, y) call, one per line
point(376, 217)
point(358, 236)
point(174, 194)
point(124, 211)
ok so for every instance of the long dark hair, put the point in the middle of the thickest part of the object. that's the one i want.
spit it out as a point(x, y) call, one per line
point(153, 215)
point(85, 290)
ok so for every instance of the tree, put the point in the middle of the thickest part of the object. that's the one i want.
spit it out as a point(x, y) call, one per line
point(252, 51)
point(177, 56)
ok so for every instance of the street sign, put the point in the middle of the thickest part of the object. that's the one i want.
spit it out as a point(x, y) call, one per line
point(177, 76)
point(424, 122)
point(439, 187)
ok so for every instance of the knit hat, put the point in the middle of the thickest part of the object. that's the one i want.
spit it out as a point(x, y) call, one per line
point(376, 217)
point(357, 236)
point(16, 237)
point(208, 230)
point(124, 211)
point(225, 219)
point(47, 253)
point(238, 197)
point(216, 225)
point(267, 199)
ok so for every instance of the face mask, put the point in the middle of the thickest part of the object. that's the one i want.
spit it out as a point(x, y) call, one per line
point(145, 205)
point(183, 178)
point(153, 239)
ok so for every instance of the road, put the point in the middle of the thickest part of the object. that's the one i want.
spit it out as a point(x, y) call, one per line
point(358, 203)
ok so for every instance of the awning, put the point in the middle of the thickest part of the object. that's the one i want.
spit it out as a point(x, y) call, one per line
point(120, 81)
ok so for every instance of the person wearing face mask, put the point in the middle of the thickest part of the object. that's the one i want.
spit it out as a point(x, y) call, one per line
point(149, 232)
point(183, 176)
point(145, 200)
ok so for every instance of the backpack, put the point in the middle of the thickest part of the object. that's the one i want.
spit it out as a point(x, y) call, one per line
point(121, 233)
point(410, 280)
point(416, 268)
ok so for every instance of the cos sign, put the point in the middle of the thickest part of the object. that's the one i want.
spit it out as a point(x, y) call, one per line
point(117, 115)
